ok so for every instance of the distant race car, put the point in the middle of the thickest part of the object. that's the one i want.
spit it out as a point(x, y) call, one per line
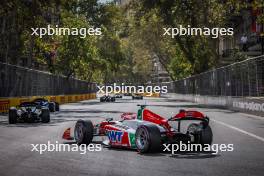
point(144, 131)
point(137, 96)
point(107, 98)
point(127, 94)
point(29, 112)
point(52, 106)
point(118, 96)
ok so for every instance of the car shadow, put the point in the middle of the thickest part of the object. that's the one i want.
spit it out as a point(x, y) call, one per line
point(26, 125)
point(53, 122)
point(119, 149)
point(152, 154)
point(176, 155)
point(195, 155)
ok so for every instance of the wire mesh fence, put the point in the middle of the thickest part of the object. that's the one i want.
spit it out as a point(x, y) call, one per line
point(19, 81)
point(244, 78)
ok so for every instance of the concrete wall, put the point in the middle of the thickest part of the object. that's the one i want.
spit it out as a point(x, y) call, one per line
point(253, 106)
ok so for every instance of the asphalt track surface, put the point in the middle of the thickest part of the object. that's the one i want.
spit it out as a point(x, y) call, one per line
point(244, 131)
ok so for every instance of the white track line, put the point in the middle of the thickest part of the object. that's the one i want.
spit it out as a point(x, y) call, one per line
point(239, 130)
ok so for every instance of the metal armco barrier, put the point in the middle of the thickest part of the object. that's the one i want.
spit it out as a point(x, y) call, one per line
point(19, 84)
point(6, 103)
point(239, 87)
point(241, 79)
point(253, 106)
point(18, 81)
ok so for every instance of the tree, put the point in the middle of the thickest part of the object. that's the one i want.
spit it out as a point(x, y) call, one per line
point(198, 53)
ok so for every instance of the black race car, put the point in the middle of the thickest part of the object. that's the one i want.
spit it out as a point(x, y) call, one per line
point(52, 106)
point(127, 94)
point(107, 98)
point(29, 112)
point(118, 96)
point(137, 96)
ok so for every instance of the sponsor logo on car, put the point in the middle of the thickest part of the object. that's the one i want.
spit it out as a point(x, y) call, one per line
point(115, 136)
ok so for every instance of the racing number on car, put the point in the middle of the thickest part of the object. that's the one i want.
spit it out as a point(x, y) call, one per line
point(115, 136)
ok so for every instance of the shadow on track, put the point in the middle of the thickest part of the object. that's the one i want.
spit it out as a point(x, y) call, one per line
point(195, 155)
point(54, 121)
point(177, 155)
point(26, 125)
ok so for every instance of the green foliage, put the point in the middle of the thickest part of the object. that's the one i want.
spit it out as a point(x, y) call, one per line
point(131, 37)
point(93, 58)
point(182, 55)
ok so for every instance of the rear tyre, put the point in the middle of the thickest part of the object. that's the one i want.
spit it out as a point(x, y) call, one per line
point(57, 106)
point(201, 135)
point(148, 138)
point(12, 116)
point(52, 107)
point(83, 132)
point(45, 116)
point(206, 136)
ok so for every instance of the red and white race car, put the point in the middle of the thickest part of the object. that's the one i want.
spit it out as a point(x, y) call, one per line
point(145, 131)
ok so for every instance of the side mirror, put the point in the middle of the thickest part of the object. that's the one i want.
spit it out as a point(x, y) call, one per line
point(141, 106)
point(109, 119)
point(181, 111)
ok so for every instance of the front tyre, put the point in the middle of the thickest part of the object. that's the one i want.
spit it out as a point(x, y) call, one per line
point(45, 116)
point(12, 116)
point(83, 132)
point(52, 107)
point(148, 138)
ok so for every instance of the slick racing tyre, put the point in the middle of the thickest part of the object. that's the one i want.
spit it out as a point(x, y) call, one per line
point(12, 116)
point(45, 116)
point(206, 136)
point(83, 132)
point(52, 107)
point(57, 106)
point(201, 135)
point(148, 138)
